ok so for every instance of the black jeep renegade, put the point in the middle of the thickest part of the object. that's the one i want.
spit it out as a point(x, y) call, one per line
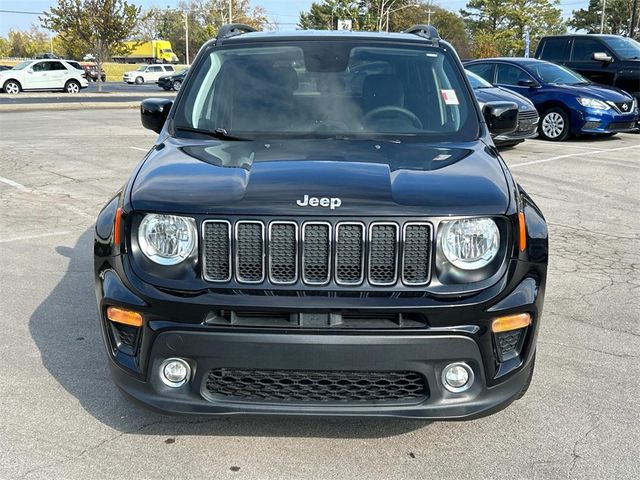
point(323, 227)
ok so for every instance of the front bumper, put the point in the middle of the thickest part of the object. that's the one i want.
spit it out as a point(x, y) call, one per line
point(593, 121)
point(458, 331)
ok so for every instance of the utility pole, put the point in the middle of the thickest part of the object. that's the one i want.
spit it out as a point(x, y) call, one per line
point(230, 11)
point(634, 19)
point(429, 12)
point(186, 35)
point(604, 7)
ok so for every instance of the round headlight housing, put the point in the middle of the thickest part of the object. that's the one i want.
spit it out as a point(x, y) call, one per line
point(167, 239)
point(470, 243)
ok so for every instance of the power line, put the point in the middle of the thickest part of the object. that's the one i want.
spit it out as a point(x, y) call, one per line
point(21, 12)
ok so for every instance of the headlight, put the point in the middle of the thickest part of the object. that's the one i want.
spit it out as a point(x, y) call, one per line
point(593, 103)
point(167, 239)
point(470, 244)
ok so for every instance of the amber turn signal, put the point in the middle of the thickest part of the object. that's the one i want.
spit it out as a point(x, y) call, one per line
point(522, 232)
point(510, 322)
point(127, 317)
point(117, 227)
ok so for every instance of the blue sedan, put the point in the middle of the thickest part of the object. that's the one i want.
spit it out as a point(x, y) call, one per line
point(568, 103)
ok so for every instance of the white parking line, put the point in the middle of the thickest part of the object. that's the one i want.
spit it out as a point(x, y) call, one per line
point(31, 237)
point(13, 184)
point(559, 157)
point(141, 149)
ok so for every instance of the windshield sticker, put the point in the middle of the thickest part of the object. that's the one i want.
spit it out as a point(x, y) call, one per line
point(450, 97)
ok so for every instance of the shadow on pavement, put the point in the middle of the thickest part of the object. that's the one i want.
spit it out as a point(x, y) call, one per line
point(65, 329)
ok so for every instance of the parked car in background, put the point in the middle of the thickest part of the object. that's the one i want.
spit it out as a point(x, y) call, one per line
point(46, 75)
point(77, 66)
point(154, 51)
point(567, 102)
point(147, 74)
point(527, 113)
point(91, 71)
point(47, 55)
point(173, 81)
point(607, 59)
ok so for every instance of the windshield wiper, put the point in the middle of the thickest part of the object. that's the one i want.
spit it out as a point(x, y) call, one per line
point(219, 133)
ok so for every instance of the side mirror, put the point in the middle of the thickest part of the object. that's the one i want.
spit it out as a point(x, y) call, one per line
point(501, 117)
point(528, 83)
point(602, 57)
point(153, 113)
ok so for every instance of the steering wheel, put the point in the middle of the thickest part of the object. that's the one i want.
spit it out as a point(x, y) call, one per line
point(390, 109)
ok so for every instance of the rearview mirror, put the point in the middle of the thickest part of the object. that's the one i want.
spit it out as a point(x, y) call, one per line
point(602, 57)
point(528, 83)
point(154, 112)
point(501, 117)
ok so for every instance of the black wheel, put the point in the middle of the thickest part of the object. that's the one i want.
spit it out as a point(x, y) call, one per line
point(139, 80)
point(72, 87)
point(177, 84)
point(11, 87)
point(528, 383)
point(554, 125)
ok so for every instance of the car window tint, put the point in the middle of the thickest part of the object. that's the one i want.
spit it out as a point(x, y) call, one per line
point(584, 48)
point(39, 67)
point(169, 68)
point(482, 70)
point(554, 49)
point(56, 66)
point(510, 75)
point(155, 69)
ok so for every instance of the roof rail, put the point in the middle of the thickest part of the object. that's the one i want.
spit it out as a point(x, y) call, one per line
point(233, 29)
point(427, 31)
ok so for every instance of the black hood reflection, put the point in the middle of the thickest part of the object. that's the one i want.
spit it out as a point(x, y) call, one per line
point(370, 178)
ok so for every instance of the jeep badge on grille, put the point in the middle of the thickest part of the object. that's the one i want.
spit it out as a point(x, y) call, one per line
point(307, 201)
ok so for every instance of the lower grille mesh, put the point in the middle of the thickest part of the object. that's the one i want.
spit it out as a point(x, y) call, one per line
point(316, 386)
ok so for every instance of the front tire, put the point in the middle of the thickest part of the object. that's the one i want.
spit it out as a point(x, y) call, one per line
point(139, 80)
point(177, 85)
point(72, 87)
point(554, 125)
point(11, 87)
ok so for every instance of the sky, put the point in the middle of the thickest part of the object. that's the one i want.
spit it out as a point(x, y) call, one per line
point(285, 12)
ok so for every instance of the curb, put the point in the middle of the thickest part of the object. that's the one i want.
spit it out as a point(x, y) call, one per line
point(30, 107)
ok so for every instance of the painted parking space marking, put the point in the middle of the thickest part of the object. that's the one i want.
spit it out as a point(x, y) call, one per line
point(568, 155)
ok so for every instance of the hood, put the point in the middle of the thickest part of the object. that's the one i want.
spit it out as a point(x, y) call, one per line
point(368, 178)
point(497, 94)
point(594, 90)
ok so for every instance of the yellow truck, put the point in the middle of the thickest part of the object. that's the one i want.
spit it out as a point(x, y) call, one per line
point(153, 51)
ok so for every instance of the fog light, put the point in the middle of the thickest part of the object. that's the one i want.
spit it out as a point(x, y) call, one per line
point(457, 377)
point(175, 372)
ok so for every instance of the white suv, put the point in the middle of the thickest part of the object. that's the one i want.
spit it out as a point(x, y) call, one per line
point(42, 75)
point(147, 73)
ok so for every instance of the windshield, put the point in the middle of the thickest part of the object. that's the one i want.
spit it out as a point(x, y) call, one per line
point(141, 68)
point(22, 65)
point(320, 89)
point(555, 74)
point(477, 81)
point(626, 48)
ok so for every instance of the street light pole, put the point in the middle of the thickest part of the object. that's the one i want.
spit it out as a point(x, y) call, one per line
point(604, 7)
point(230, 11)
point(634, 18)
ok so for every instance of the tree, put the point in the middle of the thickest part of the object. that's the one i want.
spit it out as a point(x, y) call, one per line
point(204, 18)
point(502, 23)
point(617, 19)
point(325, 15)
point(101, 25)
point(25, 44)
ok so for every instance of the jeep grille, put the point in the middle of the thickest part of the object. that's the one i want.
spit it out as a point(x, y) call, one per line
point(344, 253)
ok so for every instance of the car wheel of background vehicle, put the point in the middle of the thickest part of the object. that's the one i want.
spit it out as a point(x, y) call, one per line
point(11, 87)
point(139, 80)
point(72, 87)
point(528, 383)
point(177, 84)
point(554, 125)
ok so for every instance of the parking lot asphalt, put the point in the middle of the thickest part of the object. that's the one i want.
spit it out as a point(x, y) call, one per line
point(62, 417)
